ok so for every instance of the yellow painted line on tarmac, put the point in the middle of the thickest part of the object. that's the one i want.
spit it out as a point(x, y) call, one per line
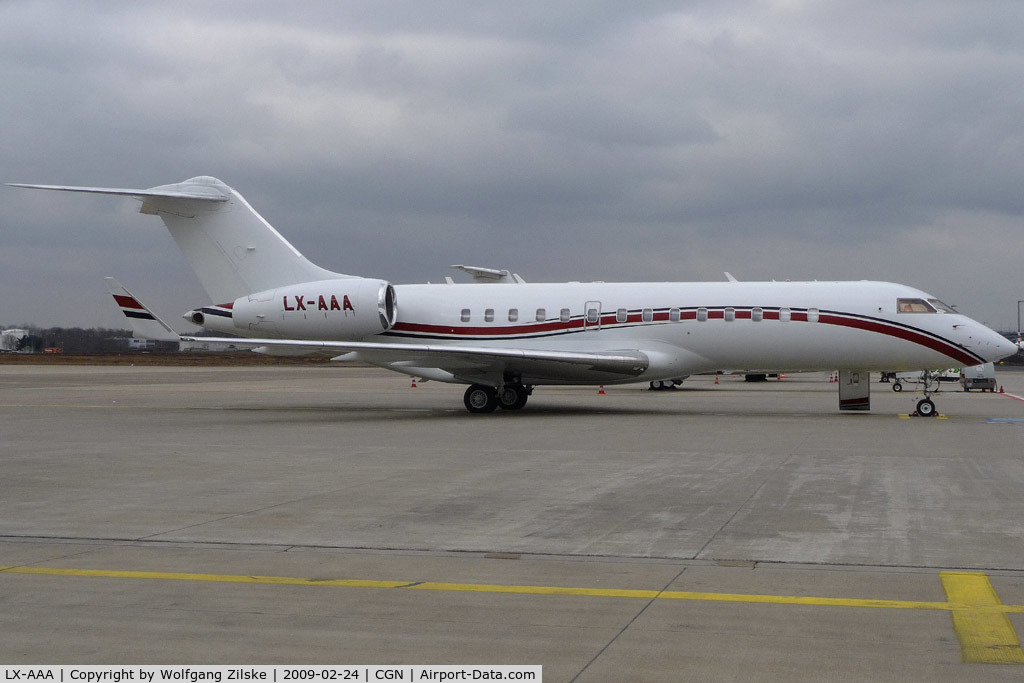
point(491, 588)
point(985, 632)
point(804, 600)
point(979, 617)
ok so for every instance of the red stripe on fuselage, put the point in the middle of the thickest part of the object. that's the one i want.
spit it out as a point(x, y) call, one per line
point(529, 328)
point(609, 320)
point(940, 345)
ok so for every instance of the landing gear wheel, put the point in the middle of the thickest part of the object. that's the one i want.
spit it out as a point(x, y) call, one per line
point(513, 397)
point(897, 387)
point(480, 399)
point(925, 407)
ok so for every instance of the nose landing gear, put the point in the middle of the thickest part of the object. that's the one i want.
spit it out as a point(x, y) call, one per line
point(926, 407)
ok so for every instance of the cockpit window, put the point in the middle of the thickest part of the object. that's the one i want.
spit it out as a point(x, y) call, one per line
point(941, 307)
point(914, 306)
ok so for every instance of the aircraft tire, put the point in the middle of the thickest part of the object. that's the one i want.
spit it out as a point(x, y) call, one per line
point(897, 387)
point(925, 407)
point(513, 397)
point(480, 399)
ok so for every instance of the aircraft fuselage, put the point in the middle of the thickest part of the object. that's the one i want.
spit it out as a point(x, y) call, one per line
point(682, 327)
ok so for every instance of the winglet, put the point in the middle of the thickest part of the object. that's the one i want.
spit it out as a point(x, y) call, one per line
point(145, 324)
point(490, 274)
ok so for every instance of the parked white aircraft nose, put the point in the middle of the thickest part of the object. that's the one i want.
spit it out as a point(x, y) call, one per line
point(995, 347)
point(1009, 348)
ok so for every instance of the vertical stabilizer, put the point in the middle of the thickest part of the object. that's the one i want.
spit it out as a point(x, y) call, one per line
point(231, 248)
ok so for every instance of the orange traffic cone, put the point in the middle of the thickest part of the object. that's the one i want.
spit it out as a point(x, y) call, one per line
point(1001, 389)
point(600, 392)
point(716, 379)
point(413, 383)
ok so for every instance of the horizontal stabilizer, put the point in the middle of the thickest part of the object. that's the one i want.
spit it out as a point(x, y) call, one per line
point(196, 192)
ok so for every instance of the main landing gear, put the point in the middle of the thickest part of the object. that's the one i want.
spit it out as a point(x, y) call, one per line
point(480, 398)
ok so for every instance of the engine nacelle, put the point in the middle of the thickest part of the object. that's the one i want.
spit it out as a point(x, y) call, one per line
point(345, 309)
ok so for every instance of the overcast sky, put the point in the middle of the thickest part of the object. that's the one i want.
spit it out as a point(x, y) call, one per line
point(565, 141)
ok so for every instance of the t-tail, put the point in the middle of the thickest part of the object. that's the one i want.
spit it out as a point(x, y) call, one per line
point(231, 248)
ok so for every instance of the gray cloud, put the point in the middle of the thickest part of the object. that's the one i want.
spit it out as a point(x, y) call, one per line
point(604, 141)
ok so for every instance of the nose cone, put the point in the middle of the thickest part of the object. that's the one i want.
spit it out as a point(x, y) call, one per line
point(1005, 348)
point(992, 346)
point(984, 341)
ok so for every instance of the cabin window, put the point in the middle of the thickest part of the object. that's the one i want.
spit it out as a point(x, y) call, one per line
point(542, 315)
point(702, 314)
point(674, 315)
point(465, 315)
point(915, 306)
point(756, 314)
point(488, 315)
point(812, 315)
point(564, 315)
point(513, 315)
point(648, 315)
point(621, 315)
point(730, 314)
point(785, 314)
point(592, 315)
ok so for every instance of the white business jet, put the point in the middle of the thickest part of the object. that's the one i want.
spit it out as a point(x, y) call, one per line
point(504, 339)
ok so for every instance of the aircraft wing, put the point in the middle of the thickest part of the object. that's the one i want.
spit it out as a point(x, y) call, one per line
point(479, 363)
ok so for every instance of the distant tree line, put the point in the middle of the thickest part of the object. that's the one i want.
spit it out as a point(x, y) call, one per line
point(72, 339)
